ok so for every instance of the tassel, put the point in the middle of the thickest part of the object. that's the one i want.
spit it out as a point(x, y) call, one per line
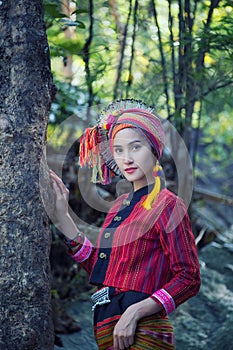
point(151, 197)
point(89, 153)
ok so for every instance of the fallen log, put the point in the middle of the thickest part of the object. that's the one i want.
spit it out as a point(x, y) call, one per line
point(209, 195)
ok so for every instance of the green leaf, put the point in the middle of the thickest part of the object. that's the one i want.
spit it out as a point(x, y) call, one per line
point(53, 11)
point(77, 12)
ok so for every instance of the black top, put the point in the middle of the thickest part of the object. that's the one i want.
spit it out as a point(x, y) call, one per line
point(100, 268)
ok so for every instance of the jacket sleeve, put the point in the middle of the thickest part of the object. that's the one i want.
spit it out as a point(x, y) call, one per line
point(178, 243)
point(82, 253)
point(85, 253)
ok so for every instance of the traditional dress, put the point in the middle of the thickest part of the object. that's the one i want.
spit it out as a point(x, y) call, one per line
point(146, 247)
point(139, 254)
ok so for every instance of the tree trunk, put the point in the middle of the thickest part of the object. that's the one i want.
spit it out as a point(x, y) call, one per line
point(26, 92)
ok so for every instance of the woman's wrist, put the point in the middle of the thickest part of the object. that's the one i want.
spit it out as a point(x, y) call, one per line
point(146, 307)
point(68, 227)
point(75, 243)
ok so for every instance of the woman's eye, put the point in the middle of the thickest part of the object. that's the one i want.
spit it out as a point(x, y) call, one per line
point(136, 147)
point(118, 150)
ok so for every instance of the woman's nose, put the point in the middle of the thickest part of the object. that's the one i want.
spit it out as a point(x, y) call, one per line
point(128, 159)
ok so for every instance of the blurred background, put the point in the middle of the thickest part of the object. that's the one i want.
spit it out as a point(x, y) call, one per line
point(176, 56)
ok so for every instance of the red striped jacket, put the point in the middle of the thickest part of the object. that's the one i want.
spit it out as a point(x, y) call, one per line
point(152, 251)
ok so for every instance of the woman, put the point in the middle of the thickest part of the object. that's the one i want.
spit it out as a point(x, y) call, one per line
point(144, 263)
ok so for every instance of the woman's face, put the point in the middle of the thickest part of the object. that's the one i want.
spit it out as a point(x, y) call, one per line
point(134, 158)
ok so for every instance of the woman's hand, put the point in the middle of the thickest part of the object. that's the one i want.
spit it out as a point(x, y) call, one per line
point(61, 195)
point(124, 331)
point(63, 219)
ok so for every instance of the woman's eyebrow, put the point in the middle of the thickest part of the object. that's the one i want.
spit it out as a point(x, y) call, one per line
point(130, 143)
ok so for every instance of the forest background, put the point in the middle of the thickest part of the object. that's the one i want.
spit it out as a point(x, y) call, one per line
point(174, 55)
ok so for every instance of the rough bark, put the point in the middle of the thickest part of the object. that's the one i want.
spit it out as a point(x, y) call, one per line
point(26, 92)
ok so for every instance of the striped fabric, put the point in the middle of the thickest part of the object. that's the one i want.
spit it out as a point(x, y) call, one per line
point(153, 333)
point(154, 249)
point(145, 121)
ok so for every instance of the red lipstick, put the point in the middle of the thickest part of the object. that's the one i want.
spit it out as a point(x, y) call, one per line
point(130, 170)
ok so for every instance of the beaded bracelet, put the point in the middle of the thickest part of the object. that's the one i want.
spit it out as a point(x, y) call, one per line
point(74, 243)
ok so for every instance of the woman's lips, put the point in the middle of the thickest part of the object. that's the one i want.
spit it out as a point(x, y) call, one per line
point(130, 170)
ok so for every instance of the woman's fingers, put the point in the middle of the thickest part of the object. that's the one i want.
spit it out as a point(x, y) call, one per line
point(60, 189)
point(122, 342)
point(124, 331)
point(58, 182)
point(54, 176)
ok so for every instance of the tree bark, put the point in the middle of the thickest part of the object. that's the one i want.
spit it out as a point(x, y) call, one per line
point(26, 92)
point(116, 91)
point(86, 58)
point(163, 60)
point(130, 76)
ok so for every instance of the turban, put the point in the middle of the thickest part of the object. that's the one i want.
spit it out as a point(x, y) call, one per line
point(95, 144)
point(146, 122)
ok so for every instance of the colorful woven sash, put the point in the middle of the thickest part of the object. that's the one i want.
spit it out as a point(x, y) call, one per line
point(153, 333)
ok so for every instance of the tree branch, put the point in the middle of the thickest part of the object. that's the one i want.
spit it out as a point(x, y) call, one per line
point(113, 7)
point(174, 75)
point(180, 73)
point(216, 87)
point(204, 45)
point(163, 61)
point(122, 53)
point(130, 77)
point(212, 88)
point(188, 73)
point(86, 58)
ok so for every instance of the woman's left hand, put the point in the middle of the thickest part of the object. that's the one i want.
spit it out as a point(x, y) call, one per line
point(124, 331)
point(61, 195)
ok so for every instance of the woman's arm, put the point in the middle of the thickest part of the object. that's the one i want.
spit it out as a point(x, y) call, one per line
point(80, 248)
point(179, 243)
point(185, 283)
point(63, 219)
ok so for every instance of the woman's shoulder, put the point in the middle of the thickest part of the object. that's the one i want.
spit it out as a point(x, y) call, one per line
point(166, 194)
point(173, 209)
point(169, 198)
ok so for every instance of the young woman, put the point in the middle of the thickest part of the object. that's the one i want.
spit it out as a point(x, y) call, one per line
point(144, 263)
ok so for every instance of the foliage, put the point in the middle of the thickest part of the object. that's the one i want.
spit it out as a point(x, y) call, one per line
point(55, 12)
point(175, 55)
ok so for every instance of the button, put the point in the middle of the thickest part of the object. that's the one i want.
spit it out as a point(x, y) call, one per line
point(117, 218)
point(103, 256)
point(126, 202)
point(107, 234)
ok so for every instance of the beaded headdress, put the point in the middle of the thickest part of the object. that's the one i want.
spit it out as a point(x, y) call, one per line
point(95, 144)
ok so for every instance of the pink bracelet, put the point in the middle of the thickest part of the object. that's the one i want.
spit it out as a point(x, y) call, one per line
point(165, 299)
point(85, 251)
